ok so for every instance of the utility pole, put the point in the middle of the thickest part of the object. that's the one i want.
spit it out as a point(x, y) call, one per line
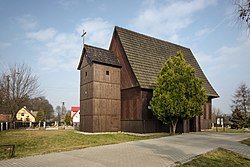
point(8, 107)
point(62, 110)
point(8, 87)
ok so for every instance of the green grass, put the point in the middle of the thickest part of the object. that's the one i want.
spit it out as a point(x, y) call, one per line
point(226, 130)
point(42, 141)
point(246, 141)
point(219, 158)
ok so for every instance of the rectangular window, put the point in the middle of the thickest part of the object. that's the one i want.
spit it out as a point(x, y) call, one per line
point(86, 74)
point(107, 72)
point(22, 114)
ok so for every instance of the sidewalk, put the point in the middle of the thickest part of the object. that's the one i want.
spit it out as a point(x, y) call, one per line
point(154, 152)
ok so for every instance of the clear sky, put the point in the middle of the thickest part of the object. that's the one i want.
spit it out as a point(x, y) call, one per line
point(46, 35)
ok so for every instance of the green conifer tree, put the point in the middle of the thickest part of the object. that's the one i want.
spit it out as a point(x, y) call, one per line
point(179, 94)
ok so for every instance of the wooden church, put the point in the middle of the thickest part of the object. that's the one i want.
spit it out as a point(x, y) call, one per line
point(116, 85)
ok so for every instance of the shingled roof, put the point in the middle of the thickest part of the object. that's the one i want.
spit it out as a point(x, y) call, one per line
point(99, 55)
point(146, 56)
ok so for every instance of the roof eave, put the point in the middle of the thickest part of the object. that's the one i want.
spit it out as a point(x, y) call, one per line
point(81, 59)
point(107, 64)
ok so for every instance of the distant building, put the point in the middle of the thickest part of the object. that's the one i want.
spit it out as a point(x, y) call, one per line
point(5, 117)
point(116, 85)
point(25, 115)
point(75, 115)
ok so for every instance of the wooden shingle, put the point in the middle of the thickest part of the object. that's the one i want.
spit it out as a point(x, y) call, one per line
point(147, 55)
point(100, 56)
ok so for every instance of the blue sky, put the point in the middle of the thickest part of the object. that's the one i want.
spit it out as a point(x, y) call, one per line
point(46, 35)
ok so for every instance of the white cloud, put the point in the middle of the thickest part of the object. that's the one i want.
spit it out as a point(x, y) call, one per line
point(61, 51)
point(168, 17)
point(226, 68)
point(42, 35)
point(58, 51)
point(99, 31)
point(228, 60)
point(27, 22)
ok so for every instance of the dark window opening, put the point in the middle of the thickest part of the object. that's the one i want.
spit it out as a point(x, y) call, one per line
point(86, 73)
point(22, 114)
point(107, 72)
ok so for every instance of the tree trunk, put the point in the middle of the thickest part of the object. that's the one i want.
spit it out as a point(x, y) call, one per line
point(173, 124)
point(170, 129)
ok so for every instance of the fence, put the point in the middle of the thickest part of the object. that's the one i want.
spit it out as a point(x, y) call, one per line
point(7, 151)
point(4, 126)
point(20, 125)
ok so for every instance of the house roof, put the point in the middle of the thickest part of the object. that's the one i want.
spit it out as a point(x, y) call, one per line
point(75, 109)
point(25, 108)
point(34, 113)
point(146, 56)
point(5, 117)
point(99, 55)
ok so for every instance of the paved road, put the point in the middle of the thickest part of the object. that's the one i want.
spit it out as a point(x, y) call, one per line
point(154, 152)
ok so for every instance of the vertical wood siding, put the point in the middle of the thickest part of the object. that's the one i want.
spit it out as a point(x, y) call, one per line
point(100, 98)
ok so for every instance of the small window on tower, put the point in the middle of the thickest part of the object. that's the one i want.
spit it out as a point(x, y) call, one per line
point(107, 72)
point(86, 73)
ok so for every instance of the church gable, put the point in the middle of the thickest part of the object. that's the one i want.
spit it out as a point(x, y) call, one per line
point(127, 75)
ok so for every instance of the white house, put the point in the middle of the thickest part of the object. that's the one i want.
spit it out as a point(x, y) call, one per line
point(75, 115)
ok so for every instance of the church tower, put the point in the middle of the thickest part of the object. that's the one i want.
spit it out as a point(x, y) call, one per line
point(100, 97)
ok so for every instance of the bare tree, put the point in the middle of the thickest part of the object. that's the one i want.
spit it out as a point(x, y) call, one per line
point(216, 113)
point(243, 11)
point(241, 99)
point(17, 86)
point(58, 113)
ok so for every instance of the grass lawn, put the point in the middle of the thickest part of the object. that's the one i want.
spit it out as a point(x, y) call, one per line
point(44, 141)
point(246, 141)
point(219, 158)
point(226, 130)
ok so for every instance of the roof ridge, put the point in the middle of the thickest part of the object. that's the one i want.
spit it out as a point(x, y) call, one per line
point(148, 36)
point(97, 47)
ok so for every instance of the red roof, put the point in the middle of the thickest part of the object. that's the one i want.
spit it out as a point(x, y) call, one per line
point(75, 109)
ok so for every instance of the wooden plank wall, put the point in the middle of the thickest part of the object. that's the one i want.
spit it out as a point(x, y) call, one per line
point(86, 104)
point(206, 118)
point(136, 117)
point(106, 98)
point(195, 124)
point(99, 74)
point(131, 104)
point(128, 79)
point(100, 97)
